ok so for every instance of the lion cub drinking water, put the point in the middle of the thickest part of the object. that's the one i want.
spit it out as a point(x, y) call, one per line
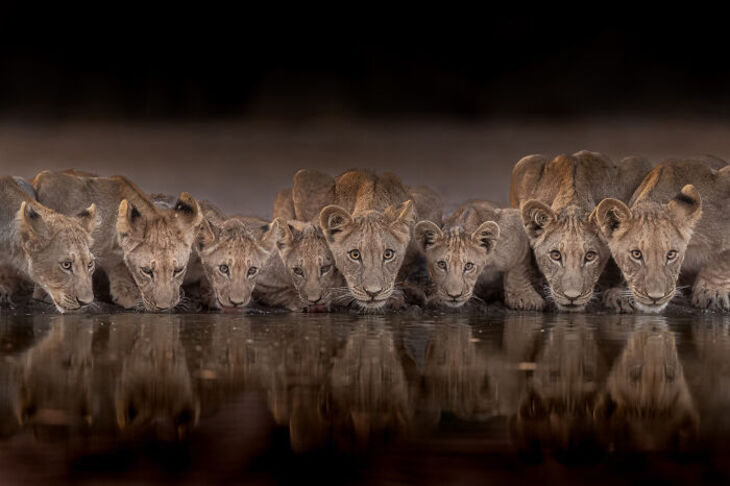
point(676, 221)
point(143, 250)
point(478, 241)
point(49, 248)
point(556, 199)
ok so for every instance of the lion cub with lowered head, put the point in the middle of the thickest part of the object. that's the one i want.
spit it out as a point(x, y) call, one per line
point(478, 242)
point(675, 222)
point(143, 250)
point(556, 199)
point(49, 248)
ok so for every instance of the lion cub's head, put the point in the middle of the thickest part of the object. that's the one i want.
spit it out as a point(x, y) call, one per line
point(456, 257)
point(568, 250)
point(57, 254)
point(648, 243)
point(233, 253)
point(156, 248)
point(369, 249)
point(309, 261)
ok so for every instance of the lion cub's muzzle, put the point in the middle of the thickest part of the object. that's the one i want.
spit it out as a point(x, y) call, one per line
point(572, 302)
point(653, 304)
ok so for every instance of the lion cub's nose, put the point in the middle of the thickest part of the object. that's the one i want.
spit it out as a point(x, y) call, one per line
point(572, 294)
point(456, 296)
point(373, 291)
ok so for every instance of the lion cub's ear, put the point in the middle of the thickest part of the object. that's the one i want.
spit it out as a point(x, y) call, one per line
point(609, 215)
point(31, 226)
point(486, 235)
point(535, 216)
point(427, 234)
point(285, 242)
point(207, 236)
point(402, 217)
point(88, 218)
point(271, 236)
point(333, 219)
point(130, 222)
point(187, 212)
point(686, 206)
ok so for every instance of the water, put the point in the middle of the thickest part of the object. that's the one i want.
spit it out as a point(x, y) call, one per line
point(516, 398)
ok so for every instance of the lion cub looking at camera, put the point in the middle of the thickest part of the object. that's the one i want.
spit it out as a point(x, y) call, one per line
point(49, 248)
point(478, 241)
point(556, 199)
point(675, 225)
point(143, 250)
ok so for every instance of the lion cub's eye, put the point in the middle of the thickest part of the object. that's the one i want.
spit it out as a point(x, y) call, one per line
point(555, 255)
point(590, 256)
point(636, 254)
point(224, 269)
point(671, 255)
point(91, 266)
point(67, 265)
point(354, 254)
point(388, 254)
point(177, 271)
point(468, 266)
point(324, 269)
point(252, 271)
point(299, 271)
point(441, 264)
point(147, 271)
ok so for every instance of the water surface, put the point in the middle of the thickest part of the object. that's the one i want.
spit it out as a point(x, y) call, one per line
point(337, 398)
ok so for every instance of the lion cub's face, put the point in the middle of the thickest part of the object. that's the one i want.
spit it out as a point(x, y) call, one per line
point(57, 253)
point(569, 252)
point(456, 258)
point(156, 249)
point(369, 249)
point(648, 243)
point(310, 263)
point(233, 255)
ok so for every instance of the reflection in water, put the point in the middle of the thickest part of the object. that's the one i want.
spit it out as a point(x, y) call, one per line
point(231, 394)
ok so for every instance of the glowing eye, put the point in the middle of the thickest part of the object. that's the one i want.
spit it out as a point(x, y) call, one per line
point(441, 264)
point(67, 265)
point(91, 266)
point(555, 255)
point(671, 255)
point(224, 269)
point(590, 256)
point(299, 271)
point(178, 271)
point(324, 269)
point(147, 271)
point(388, 255)
point(252, 271)
point(468, 266)
point(636, 254)
point(354, 254)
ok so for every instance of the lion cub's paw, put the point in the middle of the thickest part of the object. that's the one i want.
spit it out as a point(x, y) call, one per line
point(617, 300)
point(126, 296)
point(528, 300)
point(710, 298)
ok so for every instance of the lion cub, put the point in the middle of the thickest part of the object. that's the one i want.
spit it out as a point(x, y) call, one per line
point(478, 241)
point(303, 277)
point(143, 250)
point(231, 254)
point(556, 199)
point(49, 248)
point(675, 225)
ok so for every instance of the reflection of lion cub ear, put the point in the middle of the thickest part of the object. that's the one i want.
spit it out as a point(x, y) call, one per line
point(88, 218)
point(334, 219)
point(535, 217)
point(486, 235)
point(427, 234)
point(686, 206)
point(609, 215)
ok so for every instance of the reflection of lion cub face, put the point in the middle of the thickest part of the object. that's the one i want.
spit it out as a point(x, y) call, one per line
point(456, 258)
point(648, 243)
point(57, 253)
point(310, 263)
point(568, 250)
point(156, 249)
point(369, 249)
point(233, 253)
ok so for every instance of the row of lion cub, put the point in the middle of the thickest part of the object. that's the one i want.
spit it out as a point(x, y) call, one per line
point(359, 240)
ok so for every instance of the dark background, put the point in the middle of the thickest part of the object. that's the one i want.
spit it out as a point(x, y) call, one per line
point(210, 60)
